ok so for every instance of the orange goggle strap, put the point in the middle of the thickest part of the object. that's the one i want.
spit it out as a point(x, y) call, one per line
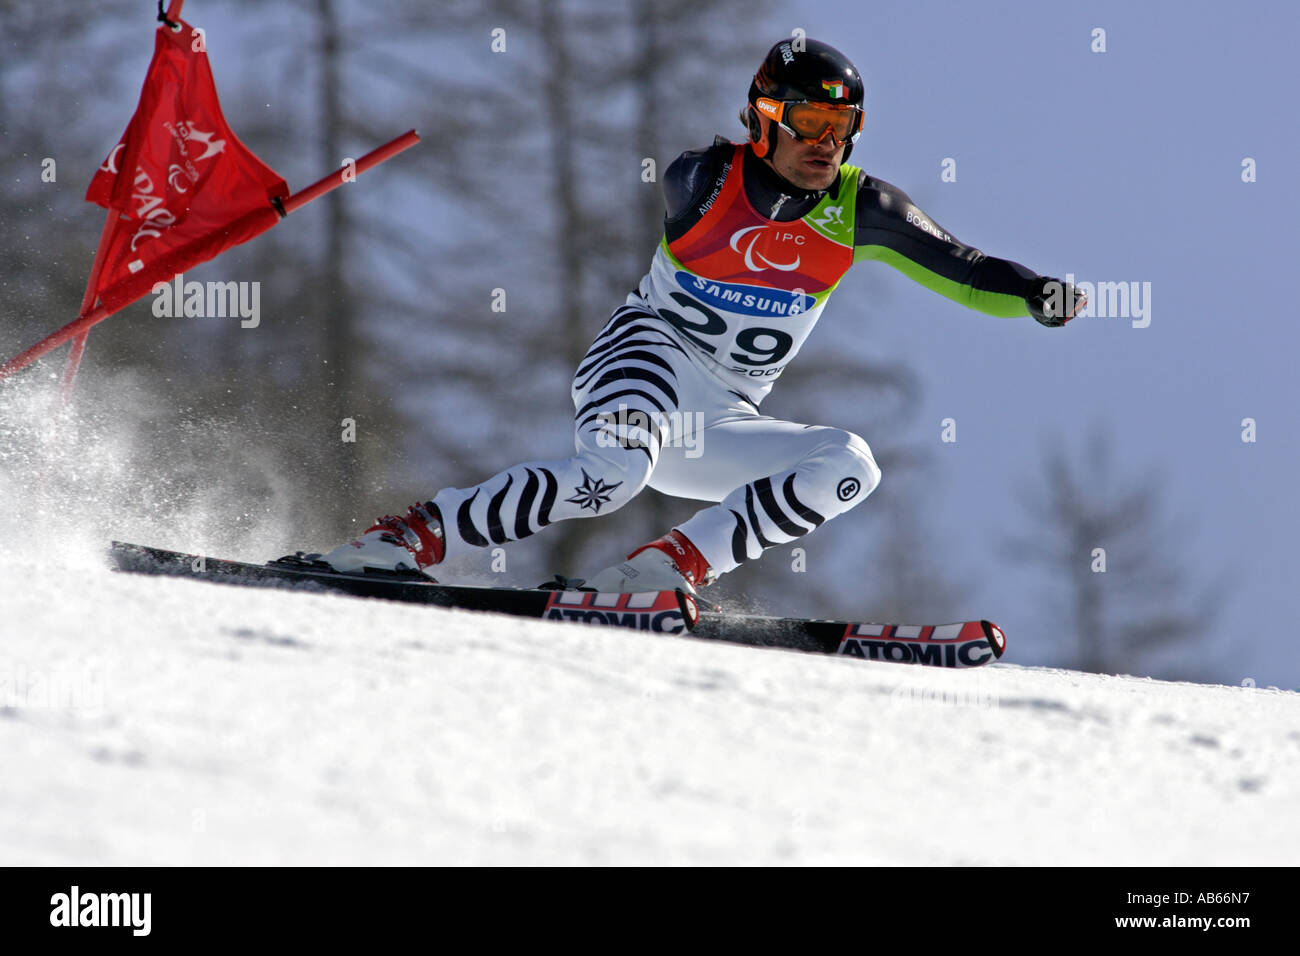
point(778, 110)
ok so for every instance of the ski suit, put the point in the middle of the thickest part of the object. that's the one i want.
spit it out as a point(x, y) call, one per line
point(668, 393)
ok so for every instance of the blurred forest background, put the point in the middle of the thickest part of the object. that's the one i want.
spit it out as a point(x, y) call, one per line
point(377, 302)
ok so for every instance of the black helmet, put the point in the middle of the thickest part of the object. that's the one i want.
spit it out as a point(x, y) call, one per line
point(801, 70)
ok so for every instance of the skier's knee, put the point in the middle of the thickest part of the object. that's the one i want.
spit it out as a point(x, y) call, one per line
point(617, 480)
point(852, 466)
point(861, 451)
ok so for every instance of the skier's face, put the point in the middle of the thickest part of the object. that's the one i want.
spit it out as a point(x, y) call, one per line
point(807, 165)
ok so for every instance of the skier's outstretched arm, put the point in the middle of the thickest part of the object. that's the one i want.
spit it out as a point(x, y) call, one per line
point(889, 227)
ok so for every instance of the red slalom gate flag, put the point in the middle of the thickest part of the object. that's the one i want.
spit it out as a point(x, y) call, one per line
point(184, 187)
point(180, 188)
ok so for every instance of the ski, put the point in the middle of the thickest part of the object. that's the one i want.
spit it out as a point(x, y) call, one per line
point(962, 644)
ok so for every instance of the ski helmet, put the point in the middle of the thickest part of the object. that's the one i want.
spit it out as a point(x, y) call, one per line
point(810, 89)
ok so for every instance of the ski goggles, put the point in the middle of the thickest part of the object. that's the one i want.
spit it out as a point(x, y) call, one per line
point(813, 122)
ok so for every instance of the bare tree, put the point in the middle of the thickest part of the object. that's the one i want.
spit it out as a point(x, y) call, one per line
point(51, 55)
point(1126, 603)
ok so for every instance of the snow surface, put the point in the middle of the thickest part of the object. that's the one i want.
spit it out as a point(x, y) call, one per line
point(156, 721)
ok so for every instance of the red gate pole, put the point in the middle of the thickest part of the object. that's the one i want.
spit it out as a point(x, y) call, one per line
point(340, 175)
point(79, 327)
point(87, 302)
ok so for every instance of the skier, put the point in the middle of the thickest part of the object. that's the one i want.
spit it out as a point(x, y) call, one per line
point(756, 237)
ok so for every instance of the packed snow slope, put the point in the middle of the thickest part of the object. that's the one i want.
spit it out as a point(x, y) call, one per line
point(156, 721)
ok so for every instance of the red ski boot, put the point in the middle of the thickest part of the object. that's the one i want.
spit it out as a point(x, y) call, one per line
point(413, 542)
point(669, 563)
